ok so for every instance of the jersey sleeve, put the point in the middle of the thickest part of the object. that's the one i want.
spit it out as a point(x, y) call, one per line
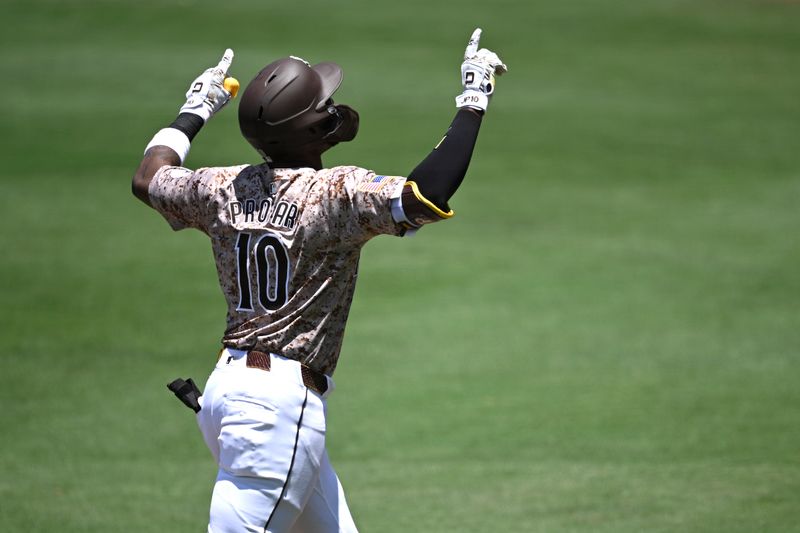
point(361, 203)
point(373, 204)
point(184, 197)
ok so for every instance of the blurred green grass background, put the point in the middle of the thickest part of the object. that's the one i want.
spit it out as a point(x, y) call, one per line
point(604, 339)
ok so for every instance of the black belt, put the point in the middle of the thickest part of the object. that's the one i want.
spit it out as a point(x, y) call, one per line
point(314, 380)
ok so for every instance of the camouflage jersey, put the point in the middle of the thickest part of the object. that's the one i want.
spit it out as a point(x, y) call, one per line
point(286, 248)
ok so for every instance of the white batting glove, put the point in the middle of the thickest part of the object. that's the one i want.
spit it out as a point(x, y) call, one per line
point(207, 94)
point(477, 74)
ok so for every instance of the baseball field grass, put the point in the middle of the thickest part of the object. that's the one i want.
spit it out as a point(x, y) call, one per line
point(606, 338)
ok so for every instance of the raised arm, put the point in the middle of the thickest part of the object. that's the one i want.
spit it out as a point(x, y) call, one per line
point(207, 94)
point(439, 175)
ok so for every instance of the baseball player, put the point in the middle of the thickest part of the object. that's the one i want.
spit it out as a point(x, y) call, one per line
point(286, 236)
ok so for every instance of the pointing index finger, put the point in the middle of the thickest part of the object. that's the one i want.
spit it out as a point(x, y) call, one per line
point(225, 62)
point(472, 46)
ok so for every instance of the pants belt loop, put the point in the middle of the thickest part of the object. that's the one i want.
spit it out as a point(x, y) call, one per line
point(256, 359)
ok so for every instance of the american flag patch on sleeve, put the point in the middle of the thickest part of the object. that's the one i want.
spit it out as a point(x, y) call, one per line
point(376, 184)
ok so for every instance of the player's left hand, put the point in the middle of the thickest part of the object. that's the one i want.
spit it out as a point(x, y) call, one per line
point(478, 74)
point(207, 93)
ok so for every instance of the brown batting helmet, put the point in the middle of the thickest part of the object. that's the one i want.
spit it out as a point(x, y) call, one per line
point(287, 113)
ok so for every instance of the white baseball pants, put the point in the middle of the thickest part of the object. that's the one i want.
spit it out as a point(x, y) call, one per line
point(266, 431)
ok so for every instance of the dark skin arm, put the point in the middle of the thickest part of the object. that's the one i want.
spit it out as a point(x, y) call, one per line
point(155, 158)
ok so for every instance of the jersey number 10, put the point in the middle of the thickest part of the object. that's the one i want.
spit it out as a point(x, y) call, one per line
point(272, 271)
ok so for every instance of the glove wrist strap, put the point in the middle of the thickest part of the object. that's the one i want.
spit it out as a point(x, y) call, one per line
point(472, 98)
point(203, 112)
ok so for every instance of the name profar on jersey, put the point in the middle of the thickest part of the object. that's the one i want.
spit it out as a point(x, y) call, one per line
point(264, 211)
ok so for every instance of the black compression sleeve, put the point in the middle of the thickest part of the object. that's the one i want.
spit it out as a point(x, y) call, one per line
point(188, 123)
point(439, 175)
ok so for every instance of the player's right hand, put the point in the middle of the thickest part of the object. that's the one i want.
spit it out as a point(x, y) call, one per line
point(478, 74)
point(207, 94)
